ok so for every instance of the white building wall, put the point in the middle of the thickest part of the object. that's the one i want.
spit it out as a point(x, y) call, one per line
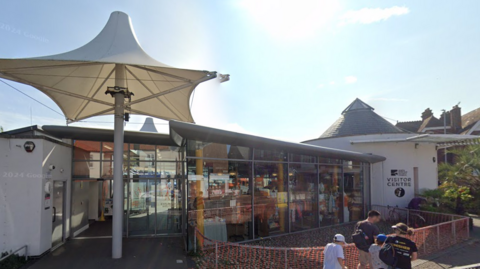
point(23, 217)
point(400, 156)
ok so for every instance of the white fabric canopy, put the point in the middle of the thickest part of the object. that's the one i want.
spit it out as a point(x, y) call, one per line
point(76, 80)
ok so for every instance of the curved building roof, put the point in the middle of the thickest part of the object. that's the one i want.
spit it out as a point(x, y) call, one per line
point(359, 119)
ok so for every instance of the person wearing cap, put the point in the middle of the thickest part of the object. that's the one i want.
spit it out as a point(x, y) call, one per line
point(374, 251)
point(333, 257)
point(405, 249)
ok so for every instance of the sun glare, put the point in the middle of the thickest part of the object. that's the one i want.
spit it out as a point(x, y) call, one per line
point(291, 19)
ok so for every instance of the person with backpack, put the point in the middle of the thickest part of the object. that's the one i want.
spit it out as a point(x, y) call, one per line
point(364, 236)
point(374, 251)
point(404, 250)
point(333, 257)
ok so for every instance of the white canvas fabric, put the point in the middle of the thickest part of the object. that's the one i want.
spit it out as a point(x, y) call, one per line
point(77, 80)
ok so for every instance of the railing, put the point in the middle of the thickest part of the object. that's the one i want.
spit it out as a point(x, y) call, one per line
point(440, 231)
point(24, 247)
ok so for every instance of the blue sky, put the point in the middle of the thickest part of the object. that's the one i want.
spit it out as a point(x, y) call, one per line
point(294, 65)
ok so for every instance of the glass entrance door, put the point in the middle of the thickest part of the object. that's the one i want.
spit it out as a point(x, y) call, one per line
point(168, 206)
point(154, 206)
point(141, 218)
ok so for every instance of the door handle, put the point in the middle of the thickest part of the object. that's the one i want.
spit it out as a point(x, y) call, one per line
point(54, 218)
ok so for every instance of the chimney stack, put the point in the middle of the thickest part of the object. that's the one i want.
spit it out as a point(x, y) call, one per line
point(456, 119)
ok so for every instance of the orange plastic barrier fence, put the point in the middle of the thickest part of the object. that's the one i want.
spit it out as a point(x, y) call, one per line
point(430, 239)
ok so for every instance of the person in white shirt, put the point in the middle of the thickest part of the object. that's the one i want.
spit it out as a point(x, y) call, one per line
point(333, 257)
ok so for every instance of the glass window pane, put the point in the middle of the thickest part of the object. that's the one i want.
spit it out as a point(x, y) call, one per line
point(353, 186)
point(107, 151)
point(85, 170)
point(169, 169)
point(86, 150)
point(302, 158)
point(219, 200)
point(329, 161)
point(270, 155)
point(215, 150)
point(330, 197)
point(142, 169)
point(271, 212)
point(107, 169)
point(140, 152)
point(168, 153)
point(302, 190)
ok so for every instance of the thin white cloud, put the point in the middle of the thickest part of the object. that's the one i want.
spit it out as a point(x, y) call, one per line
point(371, 15)
point(389, 99)
point(350, 79)
point(320, 86)
point(332, 82)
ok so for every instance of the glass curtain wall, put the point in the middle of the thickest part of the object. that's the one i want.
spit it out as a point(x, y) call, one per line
point(232, 193)
point(238, 193)
point(152, 182)
point(219, 191)
point(303, 185)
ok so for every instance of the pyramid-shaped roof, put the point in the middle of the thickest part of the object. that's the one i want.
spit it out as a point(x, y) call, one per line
point(149, 126)
point(359, 119)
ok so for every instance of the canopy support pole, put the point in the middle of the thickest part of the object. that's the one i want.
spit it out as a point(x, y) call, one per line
point(117, 218)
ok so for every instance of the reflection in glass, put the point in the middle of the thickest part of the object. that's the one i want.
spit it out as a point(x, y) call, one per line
point(270, 155)
point(302, 188)
point(219, 200)
point(168, 153)
point(86, 150)
point(353, 187)
point(87, 169)
point(169, 169)
point(215, 150)
point(270, 199)
point(329, 195)
point(142, 207)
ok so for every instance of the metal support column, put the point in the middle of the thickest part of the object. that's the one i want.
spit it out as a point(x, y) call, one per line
point(117, 218)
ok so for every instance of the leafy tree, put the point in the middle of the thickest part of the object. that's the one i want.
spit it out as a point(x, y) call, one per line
point(1, 129)
point(461, 180)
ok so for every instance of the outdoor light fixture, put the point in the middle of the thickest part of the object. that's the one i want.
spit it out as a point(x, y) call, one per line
point(224, 78)
point(29, 146)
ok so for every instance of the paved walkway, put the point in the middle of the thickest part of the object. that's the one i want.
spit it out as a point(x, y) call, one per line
point(463, 254)
point(164, 252)
point(93, 249)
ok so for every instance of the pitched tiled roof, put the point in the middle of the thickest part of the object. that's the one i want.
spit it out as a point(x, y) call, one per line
point(430, 122)
point(469, 120)
point(471, 117)
point(410, 126)
point(359, 119)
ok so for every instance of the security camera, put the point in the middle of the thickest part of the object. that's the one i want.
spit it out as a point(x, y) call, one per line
point(51, 167)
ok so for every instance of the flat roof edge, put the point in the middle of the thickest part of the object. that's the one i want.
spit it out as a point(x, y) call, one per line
point(208, 134)
point(96, 134)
